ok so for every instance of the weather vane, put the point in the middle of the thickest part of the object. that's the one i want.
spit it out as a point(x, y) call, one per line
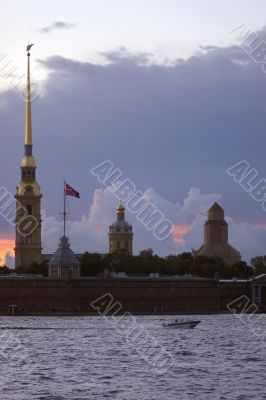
point(28, 48)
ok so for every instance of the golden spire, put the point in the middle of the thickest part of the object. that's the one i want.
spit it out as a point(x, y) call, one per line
point(28, 159)
point(28, 128)
point(28, 164)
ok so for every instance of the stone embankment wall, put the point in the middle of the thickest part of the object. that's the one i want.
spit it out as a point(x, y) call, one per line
point(45, 296)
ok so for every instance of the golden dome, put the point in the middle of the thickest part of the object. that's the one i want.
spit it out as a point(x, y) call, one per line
point(120, 208)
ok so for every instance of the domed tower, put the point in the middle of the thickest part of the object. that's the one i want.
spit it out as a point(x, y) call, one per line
point(28, 197)
point(120, 233)
point(216, 238)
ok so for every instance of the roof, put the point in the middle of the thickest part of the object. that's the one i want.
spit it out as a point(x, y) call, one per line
point(64, 256)
point(261, 277)
point(216, 207)
point(121, 224)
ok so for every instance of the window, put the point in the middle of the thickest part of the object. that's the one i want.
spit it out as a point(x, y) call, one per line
point(126, 244)
point(118, 245)
point(29, 209)
point(29, 239)
point(29, 190)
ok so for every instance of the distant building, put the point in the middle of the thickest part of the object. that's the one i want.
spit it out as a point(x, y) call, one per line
point(120, 234)
point(216, 238)
point(64, 263)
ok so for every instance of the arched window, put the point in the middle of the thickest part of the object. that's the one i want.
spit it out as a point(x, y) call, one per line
point(29, 190)
point(29, 209)
point(29, 239)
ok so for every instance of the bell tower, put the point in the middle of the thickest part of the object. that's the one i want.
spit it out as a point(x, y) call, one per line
point(216, 228)
point(120, 233)
point(28, 196)
point(216, 238)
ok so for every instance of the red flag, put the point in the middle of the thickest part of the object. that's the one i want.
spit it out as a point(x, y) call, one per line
point(71, 192)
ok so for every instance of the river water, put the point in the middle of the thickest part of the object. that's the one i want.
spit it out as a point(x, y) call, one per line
point(58, 358)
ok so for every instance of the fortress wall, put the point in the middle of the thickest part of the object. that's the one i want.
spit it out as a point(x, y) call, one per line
point(45, 296)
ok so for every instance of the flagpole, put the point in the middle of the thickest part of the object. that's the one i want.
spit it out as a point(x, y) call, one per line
point(64, 213)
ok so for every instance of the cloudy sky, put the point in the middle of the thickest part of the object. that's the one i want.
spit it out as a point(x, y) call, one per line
point(163, 89)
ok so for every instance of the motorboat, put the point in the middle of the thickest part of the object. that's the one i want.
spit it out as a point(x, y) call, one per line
point(182, 323)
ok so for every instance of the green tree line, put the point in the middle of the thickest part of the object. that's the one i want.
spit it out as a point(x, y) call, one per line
point(94, 264)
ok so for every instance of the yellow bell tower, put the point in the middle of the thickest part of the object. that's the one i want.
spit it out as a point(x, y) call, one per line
point(28, 197)
point(120, 234)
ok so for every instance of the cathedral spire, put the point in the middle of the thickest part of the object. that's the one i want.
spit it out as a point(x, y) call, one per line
point(28, 245)
point(28, 128)
point(28, 160)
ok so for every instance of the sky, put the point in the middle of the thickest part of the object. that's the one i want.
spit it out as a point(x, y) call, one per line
point(164, 90)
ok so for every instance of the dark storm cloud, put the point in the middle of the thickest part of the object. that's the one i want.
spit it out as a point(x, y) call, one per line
point(167, 127)
point(57, 25)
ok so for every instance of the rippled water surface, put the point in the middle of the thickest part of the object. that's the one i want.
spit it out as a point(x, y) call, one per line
point(57, 358)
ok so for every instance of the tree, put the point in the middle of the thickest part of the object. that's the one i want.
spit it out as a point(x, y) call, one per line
point(146, 253)
point(91, 264)
point(34, 269)
point(259, 264)
point(4, 270)
point(185, 257)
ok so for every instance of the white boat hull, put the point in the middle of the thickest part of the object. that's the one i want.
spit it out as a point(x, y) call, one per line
point(182, 325)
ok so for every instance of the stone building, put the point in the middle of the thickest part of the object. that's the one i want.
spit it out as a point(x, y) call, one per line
point(64, 263)
point(216, 238)
point(28, 197)
point(120, 233)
